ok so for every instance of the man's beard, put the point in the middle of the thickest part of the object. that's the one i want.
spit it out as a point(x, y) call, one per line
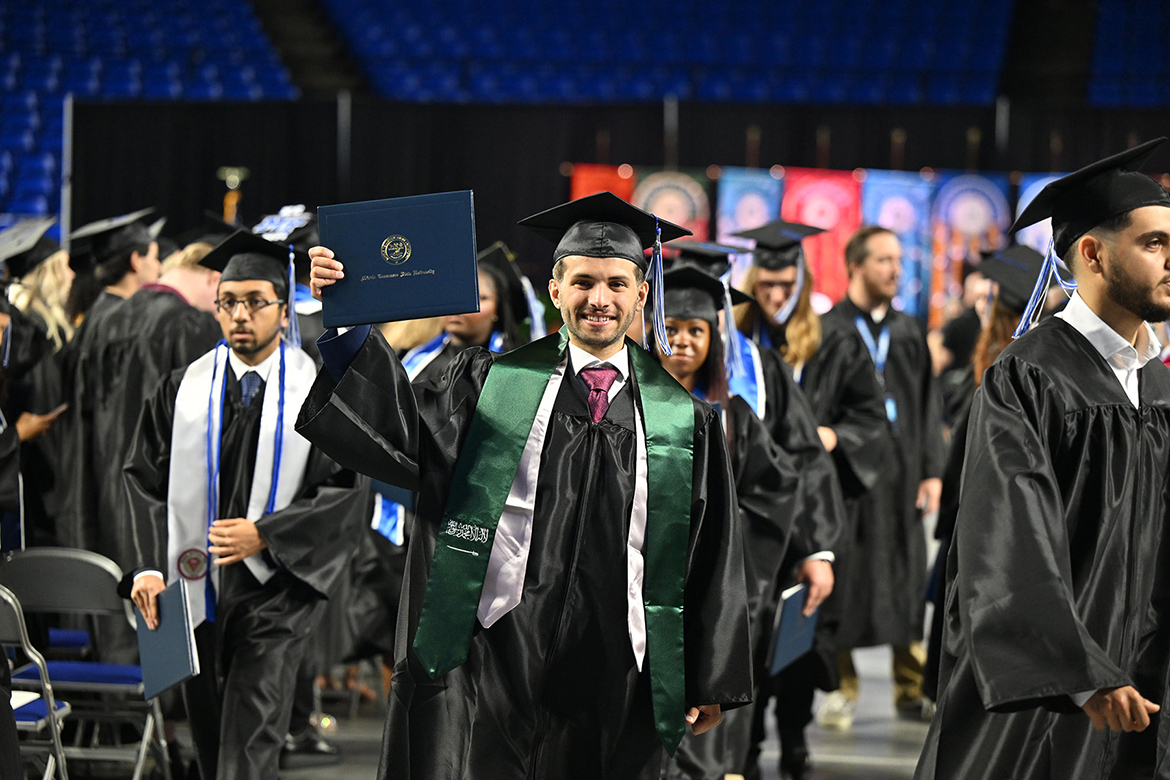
point(1130, 295)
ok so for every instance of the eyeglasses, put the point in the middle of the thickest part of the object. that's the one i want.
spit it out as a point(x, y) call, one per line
point(253, 305)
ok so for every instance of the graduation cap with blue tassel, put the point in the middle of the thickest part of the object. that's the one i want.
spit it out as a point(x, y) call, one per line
point(1081, 201)
point(778, 246)
point(604, 225)
point(246, 256)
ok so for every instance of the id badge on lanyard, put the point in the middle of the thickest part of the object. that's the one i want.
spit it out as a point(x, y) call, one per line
point(879, 352)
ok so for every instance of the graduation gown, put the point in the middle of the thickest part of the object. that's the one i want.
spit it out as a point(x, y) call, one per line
point(767, 481)
point(1058, 569)
point(551, 690)
point(33, 384)
point(123, 357)
point(241, 702)
point(842, 393)
point(883, 583)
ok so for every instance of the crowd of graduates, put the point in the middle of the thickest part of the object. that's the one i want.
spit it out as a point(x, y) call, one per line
point(834, 436)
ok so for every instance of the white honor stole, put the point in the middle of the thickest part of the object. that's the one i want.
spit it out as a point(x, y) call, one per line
point(193, 481)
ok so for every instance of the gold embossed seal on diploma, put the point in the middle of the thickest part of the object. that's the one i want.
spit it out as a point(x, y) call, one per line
point(405, 258)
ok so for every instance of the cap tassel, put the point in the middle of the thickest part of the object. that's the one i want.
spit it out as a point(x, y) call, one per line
point(731, 334)
point(659, 321)
point(1035, 305)
point(789, 306)
point(536, 327)
point(293, 335)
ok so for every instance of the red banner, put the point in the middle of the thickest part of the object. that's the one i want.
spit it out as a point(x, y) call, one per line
point(590, 179)
point(829, 200)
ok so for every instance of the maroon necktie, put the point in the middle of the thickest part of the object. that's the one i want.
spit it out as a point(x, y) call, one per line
point(599, 379)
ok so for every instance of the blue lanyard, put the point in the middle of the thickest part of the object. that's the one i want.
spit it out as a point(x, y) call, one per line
point(879, 352)
point(745, 385)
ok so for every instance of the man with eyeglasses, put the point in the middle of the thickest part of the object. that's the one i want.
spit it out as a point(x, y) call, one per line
point(218, 477)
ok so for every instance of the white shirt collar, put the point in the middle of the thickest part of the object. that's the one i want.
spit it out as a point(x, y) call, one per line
point(1117, 352)
point(240, 368)
point(582, 359)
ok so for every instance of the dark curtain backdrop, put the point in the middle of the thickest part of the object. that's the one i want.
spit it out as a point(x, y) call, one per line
point(127, 156)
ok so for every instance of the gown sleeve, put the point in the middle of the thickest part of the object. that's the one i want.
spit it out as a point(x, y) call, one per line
point(715, 615)
point(314, 537)
point(1014, 588)
point(370, 420)
point(855, 409)
point(146, 472)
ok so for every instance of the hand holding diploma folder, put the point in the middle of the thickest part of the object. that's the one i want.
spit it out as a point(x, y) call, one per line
point(403, 258)
point(167, 653)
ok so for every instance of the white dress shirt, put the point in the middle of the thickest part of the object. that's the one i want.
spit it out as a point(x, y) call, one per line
point(1124, 359)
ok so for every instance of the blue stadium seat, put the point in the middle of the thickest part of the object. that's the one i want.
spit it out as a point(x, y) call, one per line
point(33, 206)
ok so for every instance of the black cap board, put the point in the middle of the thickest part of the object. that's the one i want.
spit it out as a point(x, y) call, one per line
point(104, 238)
point(778, 243)
point(1015, 270)
point(602, 225)
point(24, 246)
point(715, 259)
point(690, 293)
point(1096, 193)
point(245, 256)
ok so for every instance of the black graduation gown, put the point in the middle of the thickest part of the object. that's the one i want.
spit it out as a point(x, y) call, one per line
point(34, 385)
point(843, 394)
point(767, 480)
point(241, 702)
point(1057, 569)
point(882, 585)
point(127, 353)
point(551, 690)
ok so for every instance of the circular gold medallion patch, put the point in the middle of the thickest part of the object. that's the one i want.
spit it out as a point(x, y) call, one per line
point(396, 250)
point(193, 564)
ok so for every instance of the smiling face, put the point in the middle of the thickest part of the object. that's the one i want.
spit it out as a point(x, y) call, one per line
point(598, 298)
point(690, 343)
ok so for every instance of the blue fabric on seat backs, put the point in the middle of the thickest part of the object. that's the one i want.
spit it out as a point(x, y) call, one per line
point(68, 639)
point(85, 672)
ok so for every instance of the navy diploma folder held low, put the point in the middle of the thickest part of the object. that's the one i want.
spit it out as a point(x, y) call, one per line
point(405, 258)
point(793, 635)
point(167, 654)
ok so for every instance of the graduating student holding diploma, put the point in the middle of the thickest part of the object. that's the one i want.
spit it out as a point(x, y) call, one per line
point(1056, 652)
point(224, 493)
point(575, 593)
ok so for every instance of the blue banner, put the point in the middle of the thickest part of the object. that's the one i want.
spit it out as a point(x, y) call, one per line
point(747, 199)
point(900, 201)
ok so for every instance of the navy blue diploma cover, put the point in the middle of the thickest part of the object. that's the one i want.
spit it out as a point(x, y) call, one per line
point(168, 653)
point(405, 258)
point(794, 632)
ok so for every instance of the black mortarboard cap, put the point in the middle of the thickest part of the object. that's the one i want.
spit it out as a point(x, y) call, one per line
point(691, 293)
point(715, 259)
point(24, 246)
point(1096, 193)
point(602, 225)
point(778, 243)
point(212, 230)
point(501, 263)
point(244, 256)
point(102, 239)
point(1015, 270)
